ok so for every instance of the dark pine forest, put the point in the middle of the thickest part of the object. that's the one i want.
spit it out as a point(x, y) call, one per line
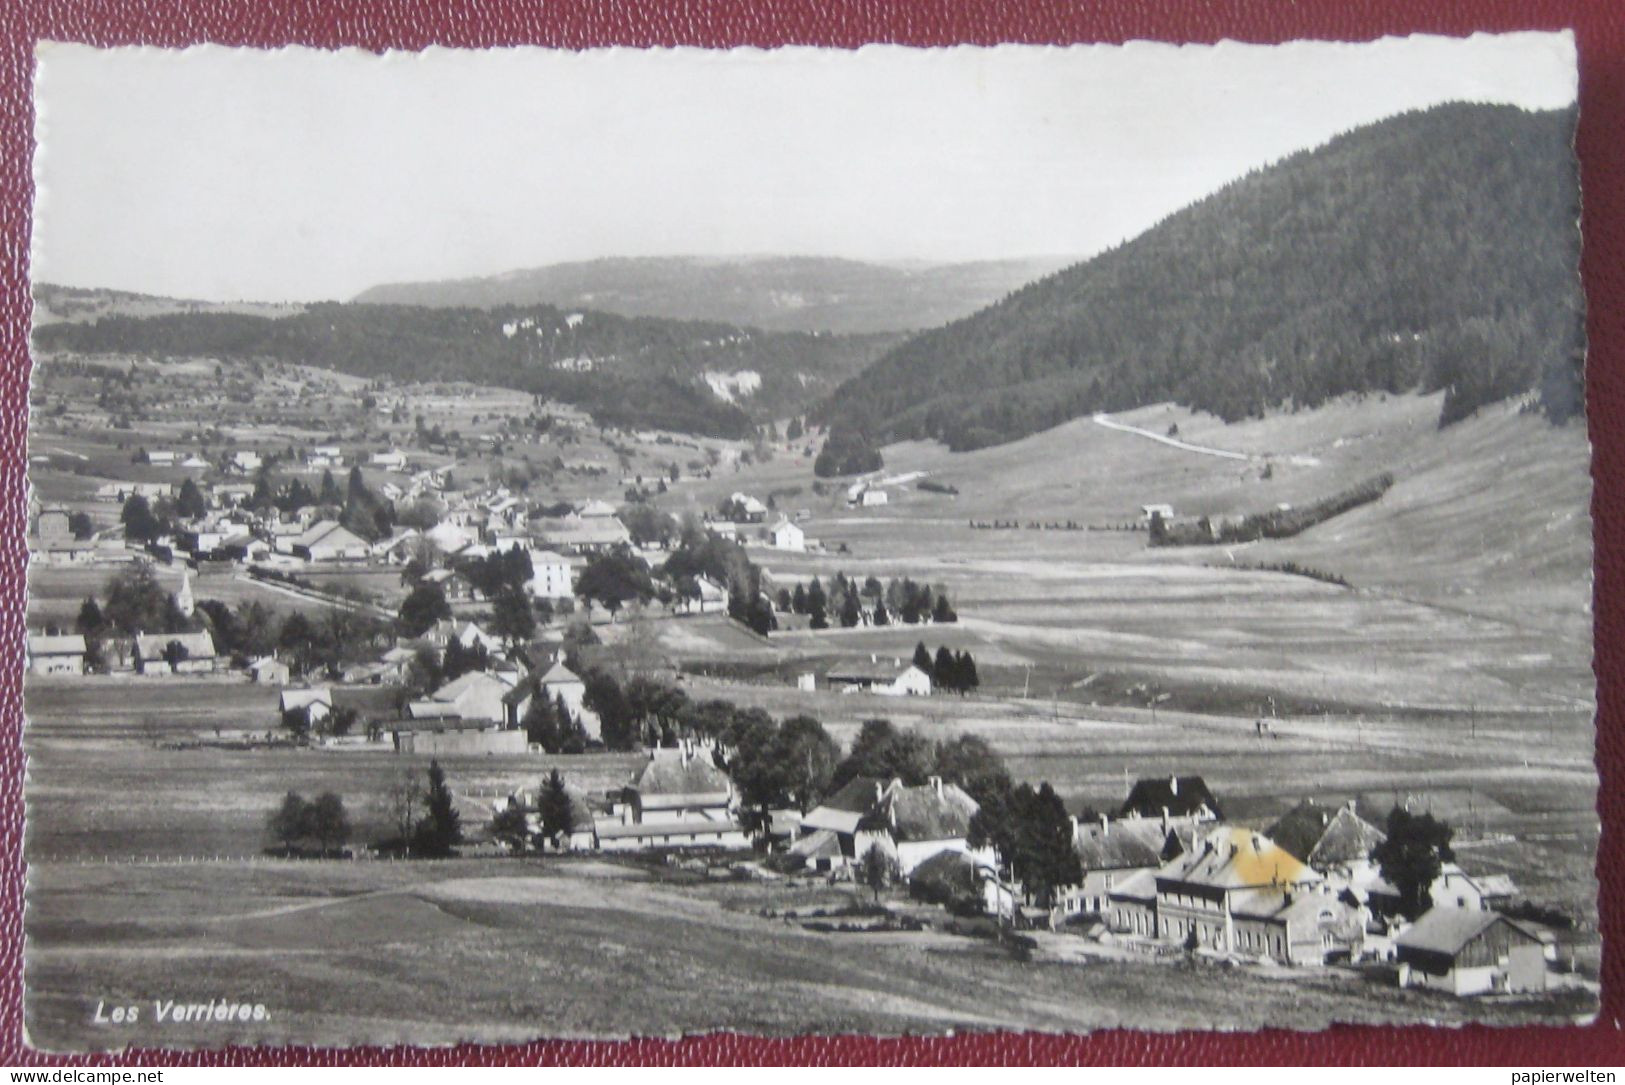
point(1434, 251)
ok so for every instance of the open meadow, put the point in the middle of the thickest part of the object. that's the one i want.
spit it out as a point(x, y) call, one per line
point(507, 950)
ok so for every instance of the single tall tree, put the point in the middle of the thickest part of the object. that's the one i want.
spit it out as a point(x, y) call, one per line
point(288, 822)
point(328, 822)
point(923, 660)
point(878, 869)
point(556, 810)
point(1417, 847)
point(442, 826)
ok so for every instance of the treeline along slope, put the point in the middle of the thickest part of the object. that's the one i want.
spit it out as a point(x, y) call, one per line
point(1435, 250)
point(629, 371)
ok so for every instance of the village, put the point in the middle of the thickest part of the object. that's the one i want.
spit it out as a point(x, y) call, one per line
point(439, 604)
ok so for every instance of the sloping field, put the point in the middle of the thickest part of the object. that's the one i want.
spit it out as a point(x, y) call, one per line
point(508, 950)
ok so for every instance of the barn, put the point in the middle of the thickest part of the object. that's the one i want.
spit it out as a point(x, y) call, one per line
point(1465, 951)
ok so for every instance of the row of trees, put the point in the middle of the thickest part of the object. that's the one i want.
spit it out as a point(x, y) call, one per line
point(954, 672)
point(298, 821)
point(849, 603)
point(550, 724)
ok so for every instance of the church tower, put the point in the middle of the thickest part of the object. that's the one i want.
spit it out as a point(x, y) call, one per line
point(183, 598)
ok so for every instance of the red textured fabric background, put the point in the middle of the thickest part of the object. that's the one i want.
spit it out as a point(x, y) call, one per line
point(404, 24)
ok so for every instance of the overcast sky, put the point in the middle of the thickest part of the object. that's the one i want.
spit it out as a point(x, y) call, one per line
point(302, 174)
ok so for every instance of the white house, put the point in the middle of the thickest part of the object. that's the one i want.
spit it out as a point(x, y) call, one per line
point(678, 799)
point(872, 498)
point(1152, 512)
point(595, 508)
point(786, 535)
point(561, 681)
point(748, 509)
point(910, 824)
point(194, 653)
point(477, 695)
point(246, 462)
point(269, 671)
point(325, 456)
point(889, 679)
point(551, 575)
point(328, 540)
point(393, 460)
point(56, 654)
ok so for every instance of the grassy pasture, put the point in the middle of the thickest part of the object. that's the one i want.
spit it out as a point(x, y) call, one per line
point(106, 782)
point(510, 950)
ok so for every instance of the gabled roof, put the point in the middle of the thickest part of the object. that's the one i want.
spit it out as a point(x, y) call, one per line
point(1281, 904)
point(933, 811)
point(818, 844)
point(673, 775)
point(460, 685)
point(1447, 931)
point(1235, 858)
point(843, 811)
point(560, 675)
point(197, 645)
point(1324, 836)
point(861, 671)
point(47, 644)
point(1180, 796)
point(329, 533)
point(521, 690)
point(1120, 845)
point(857, 796)
point(596, 530)
point(300, 698)
point(1139, 886)
point(580, 806)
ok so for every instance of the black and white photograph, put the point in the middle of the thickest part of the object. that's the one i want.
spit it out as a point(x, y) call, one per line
point(528, 543)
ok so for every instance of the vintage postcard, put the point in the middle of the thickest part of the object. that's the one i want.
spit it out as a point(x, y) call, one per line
point(640, 543)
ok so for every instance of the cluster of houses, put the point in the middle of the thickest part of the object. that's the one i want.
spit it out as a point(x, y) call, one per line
point(1166, 873)
point(480, 711)
point(747, 522)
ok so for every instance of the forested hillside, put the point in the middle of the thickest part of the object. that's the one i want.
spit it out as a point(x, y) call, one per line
point(783, 293)
point(627, 371)
point(1435, 250)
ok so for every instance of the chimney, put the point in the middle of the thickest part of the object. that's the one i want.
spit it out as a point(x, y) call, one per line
point(936, 785)
point(1104, 826)
point(873, 658)
point(1165, 820)
point(1074, 822)
point(1173, 785)
point(878, 791)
